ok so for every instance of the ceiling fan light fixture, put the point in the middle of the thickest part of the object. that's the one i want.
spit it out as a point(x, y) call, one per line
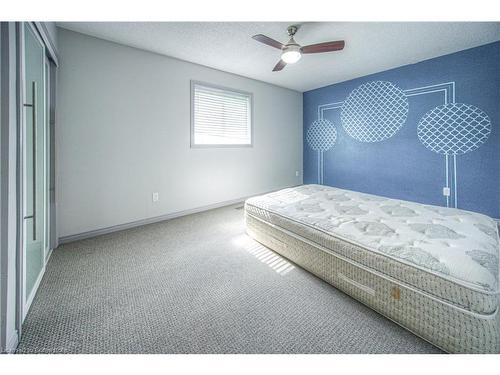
point(291, 54)
point(292, 51)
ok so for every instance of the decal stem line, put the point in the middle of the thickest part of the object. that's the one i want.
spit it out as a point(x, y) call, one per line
point(322, 164)
point(455, 178)
point(319, 167)
point(447, 180)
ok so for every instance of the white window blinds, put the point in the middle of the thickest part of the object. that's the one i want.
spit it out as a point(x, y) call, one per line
point(220, 116)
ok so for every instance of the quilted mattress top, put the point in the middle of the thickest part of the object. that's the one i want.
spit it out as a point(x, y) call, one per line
point(459, 245)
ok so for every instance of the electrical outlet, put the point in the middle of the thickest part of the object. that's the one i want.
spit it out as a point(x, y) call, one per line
point(156, 196)
point(297, 173)
point(446, 191)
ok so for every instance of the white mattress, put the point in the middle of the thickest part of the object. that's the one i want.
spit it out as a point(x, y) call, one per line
point(449, 253)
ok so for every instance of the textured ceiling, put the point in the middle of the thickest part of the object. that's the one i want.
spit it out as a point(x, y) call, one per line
point(370, 46)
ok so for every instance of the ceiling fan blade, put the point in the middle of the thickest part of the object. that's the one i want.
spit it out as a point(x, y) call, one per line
point(279, 66)
point(269, 41)
point(323, 47)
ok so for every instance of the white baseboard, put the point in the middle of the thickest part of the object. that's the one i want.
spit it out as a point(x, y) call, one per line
point(138, 223)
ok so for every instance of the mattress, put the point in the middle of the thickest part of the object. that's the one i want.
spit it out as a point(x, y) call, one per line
point(433, 270)
point(450, 328)
point(450, 254)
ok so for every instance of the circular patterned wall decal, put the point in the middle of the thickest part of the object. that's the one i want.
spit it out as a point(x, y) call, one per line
point(454, 129)
point(374, 111)
point(321, 135)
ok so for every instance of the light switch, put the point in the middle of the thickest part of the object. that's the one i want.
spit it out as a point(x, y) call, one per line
point(446, 191)
point(156, 196)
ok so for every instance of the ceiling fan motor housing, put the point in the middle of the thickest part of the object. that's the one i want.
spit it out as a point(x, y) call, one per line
point(291, 47)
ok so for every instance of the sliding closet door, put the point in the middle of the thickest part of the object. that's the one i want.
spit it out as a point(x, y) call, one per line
point(34, 152)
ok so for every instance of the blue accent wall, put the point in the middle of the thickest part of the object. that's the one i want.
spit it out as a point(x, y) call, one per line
point(420, 114)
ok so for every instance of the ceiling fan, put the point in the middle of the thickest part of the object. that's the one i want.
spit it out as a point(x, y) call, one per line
point(292, 52)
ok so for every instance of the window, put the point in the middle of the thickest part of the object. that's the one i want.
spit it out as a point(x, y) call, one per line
point(220, 117)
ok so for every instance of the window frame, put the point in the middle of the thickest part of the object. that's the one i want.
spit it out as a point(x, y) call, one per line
point(224, 145)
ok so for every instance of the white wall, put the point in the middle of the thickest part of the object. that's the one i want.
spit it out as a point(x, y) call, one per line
point(123, 128)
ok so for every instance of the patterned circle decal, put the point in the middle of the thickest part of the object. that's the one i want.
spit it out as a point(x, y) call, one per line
point(321, 135)
point(374, 111)
point(454, 129)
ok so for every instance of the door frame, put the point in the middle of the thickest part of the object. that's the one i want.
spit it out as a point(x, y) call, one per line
point(24, 301)
point(8, 239)
point(47, 161)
